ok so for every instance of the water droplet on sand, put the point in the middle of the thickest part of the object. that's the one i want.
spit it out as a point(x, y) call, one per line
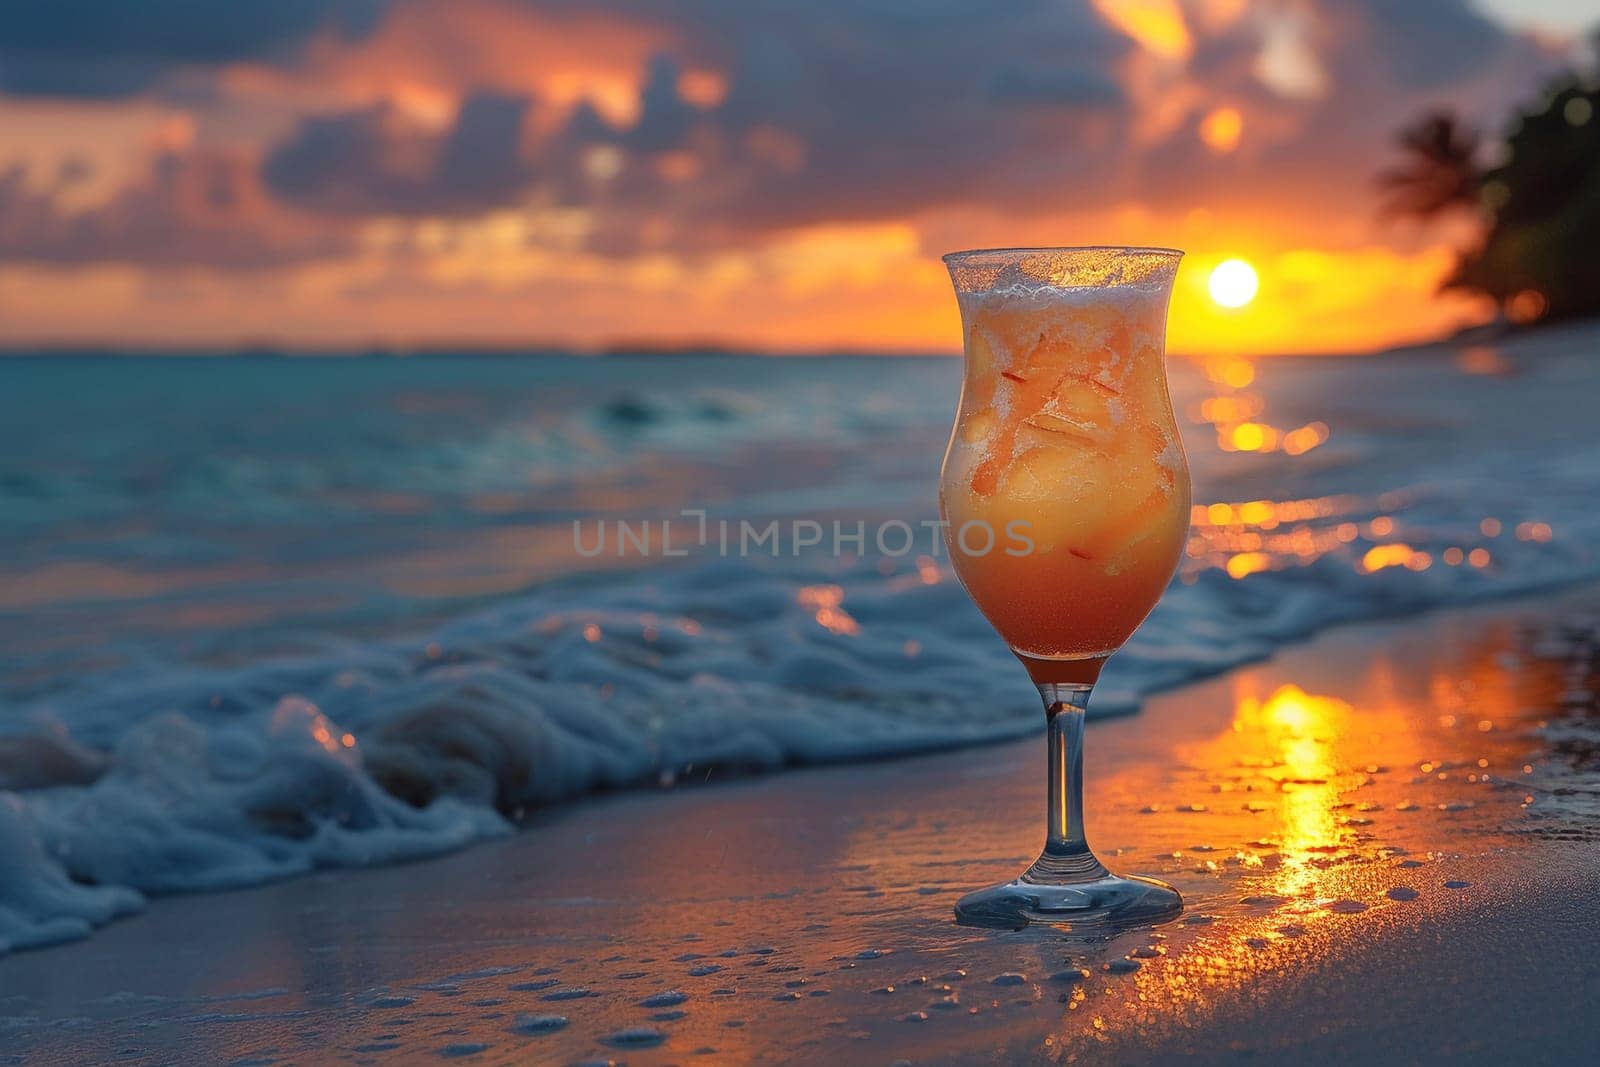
point(1122, 966)
point(914, 1017)
point(1456, 885)
point(567, 994)
point(1009, 978)
point(869, 954)
point(1264, 900)
point(538, 1024)
point(392, 1002)
point(1147, 952)
point(884, 990)
point(668, 1016)
point(1346, 906)
point(670, 999)
point(1402, 892)
point(704, 969)
point(635, 1037)
point(787, 996)
point(451, 1052)
point(953, 976)
point(1199, 920)
point(1071, 974)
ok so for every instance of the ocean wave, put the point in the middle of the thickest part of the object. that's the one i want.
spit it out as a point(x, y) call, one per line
point(194, 779)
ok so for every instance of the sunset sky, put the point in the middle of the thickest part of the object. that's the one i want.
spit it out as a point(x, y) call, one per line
point(339, 173)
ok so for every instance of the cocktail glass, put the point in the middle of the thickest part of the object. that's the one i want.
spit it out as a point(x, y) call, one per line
point(1066, 493)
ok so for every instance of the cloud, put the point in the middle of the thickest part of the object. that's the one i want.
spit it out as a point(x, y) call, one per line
point(1422, 44)
point(372, 162)
point(191, 208)
point(836, 111)
point(847, 112)
point(1310, 92)
point(108, 48)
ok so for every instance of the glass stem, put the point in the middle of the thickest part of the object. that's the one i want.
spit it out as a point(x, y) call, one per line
point(1066, 857)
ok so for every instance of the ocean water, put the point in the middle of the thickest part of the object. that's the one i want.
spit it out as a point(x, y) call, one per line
point(260, 616)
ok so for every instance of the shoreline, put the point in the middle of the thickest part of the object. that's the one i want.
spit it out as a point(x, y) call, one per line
point(778, 908)
point(424, 643)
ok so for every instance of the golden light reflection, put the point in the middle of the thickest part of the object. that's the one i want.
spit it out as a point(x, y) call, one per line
point(1235, 414)
point(1252, 536)
point(1396, 554)
point(825, 601)
point(296, 715)
point(1294, 733)
point(1534, 531)
point(1328, 835)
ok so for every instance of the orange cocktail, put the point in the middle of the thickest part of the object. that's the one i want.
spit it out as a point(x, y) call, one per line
point(1066, 495)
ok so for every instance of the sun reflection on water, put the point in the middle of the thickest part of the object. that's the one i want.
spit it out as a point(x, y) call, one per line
point(1282, 755)
point(1233, 412)
point(826, 602)
point(1299, 731)
point(1243, 538)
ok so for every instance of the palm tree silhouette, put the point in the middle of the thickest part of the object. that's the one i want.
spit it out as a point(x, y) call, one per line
point(1440, 173)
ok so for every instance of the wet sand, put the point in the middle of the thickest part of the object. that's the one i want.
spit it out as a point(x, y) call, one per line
point(1368, 830)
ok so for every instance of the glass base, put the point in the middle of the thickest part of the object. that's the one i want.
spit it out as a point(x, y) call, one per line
point(1106, 903)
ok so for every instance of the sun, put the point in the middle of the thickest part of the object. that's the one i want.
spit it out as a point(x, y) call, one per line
point(1233, 283)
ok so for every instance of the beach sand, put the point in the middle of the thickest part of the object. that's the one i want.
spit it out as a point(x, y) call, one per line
point(1365, 830)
